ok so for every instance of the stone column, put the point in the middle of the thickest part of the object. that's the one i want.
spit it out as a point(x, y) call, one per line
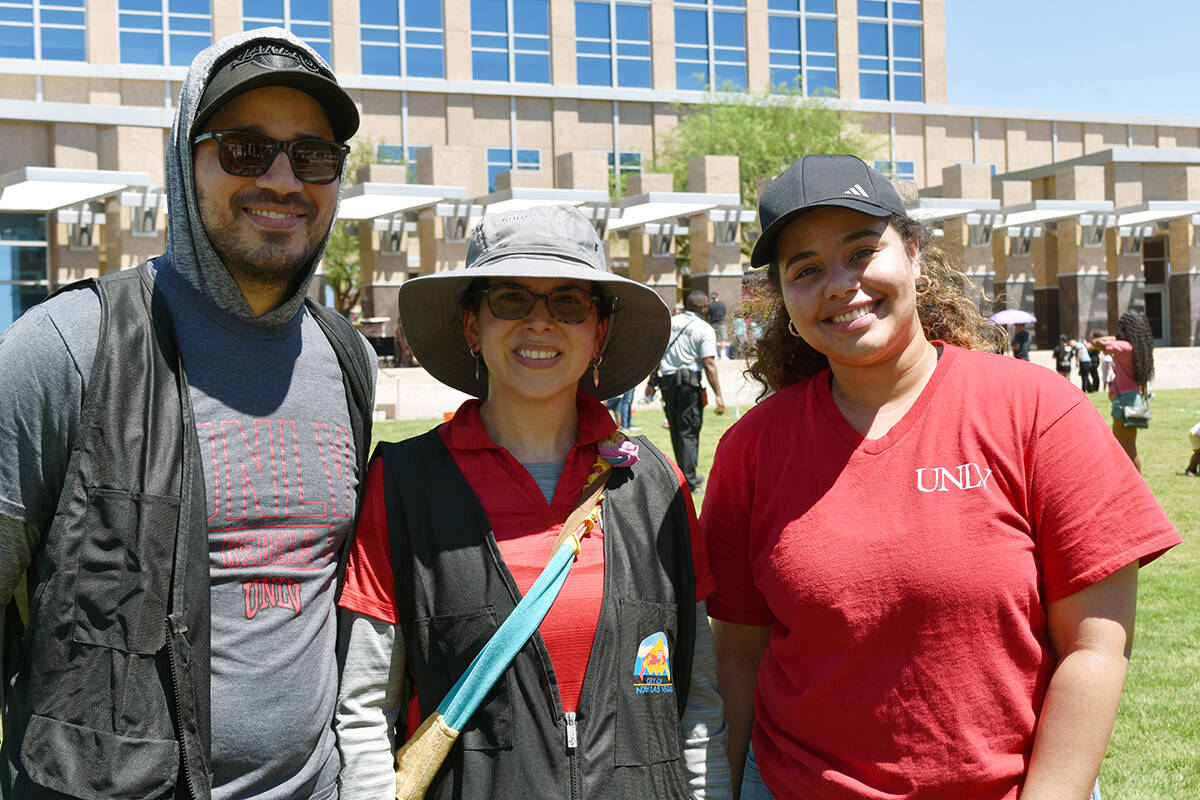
point(586, 170)
point(1081, 266)
point(656, 271)
point(1014, 274)
point(716, 265)
point(972, 181)
point(1043, 253)
point(1124, 282)
point(447, 165)
point(124, 148)
point(1184, 254)
point(379, 274)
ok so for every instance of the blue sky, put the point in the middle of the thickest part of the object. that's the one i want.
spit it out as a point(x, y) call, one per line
point(1075, 55)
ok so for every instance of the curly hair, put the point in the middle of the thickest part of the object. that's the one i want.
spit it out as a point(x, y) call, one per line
point(949, 312)
point(1133, 327)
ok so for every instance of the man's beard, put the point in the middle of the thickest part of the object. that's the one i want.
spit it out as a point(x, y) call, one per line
point(267, 259)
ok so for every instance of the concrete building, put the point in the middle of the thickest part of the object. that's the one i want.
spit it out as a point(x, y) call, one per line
point(559, 94)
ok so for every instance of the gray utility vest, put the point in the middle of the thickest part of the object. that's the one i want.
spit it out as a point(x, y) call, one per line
point(453, 590)
point(108, 689)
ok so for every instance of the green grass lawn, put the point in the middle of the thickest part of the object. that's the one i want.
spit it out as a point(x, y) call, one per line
point(1155, 749)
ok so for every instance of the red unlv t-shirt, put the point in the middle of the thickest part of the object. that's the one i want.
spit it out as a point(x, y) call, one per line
point(905, 579)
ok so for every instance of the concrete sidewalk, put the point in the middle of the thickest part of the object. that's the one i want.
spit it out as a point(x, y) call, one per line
point(413, 394)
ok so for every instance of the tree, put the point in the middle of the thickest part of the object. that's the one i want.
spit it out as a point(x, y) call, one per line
point(341, 253)
point(767, 131)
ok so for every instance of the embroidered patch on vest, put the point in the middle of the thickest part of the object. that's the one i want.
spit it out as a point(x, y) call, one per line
point(652, 670)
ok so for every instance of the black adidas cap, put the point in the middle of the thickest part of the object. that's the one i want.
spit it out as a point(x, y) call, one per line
point(820, 180)
point(273, 62)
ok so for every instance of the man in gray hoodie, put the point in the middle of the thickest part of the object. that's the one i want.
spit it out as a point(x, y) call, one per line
point(132, 670)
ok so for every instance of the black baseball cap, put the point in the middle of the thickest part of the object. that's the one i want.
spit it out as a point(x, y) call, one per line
point(820, 180)
point(273, 62)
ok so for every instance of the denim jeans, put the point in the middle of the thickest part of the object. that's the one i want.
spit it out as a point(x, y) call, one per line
point(753, 787)
point(623, 405)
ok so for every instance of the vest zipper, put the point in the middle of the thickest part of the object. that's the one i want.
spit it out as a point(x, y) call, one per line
point(572, 756)
point(183, 750)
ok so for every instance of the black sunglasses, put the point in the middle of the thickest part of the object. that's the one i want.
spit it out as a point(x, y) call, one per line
point(511, 301)
point(248, 155)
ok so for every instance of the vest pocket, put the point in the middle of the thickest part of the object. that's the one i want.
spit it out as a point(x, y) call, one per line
point(124, 569)
point(449, 644)
point(116, 767)
point(647, 710)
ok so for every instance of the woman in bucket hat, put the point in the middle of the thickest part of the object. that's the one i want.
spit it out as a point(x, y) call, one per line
point(919, 594)
point(615, 695)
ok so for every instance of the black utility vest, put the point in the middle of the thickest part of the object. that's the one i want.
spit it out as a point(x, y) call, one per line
point(453, 590)
point(108, 688)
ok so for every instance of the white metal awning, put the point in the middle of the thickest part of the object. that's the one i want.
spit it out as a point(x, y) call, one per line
point(1154, 211)
point(1040, 212)
point(47, 189)
point(652, 207)
point(371, 200)
point(934, 209)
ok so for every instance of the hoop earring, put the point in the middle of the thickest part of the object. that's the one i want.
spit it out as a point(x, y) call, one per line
point(596, 370)
point(792, 329)
point(929, 284)
point(478, 356)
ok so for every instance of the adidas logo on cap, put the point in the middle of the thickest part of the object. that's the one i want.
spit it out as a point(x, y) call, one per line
point(857, 191)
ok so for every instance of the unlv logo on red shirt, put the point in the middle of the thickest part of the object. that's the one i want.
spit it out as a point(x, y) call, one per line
point(944, 479)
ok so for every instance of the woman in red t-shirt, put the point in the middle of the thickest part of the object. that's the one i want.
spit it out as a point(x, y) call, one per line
point(1132, 351)
point(921, 591)
point(539, 331)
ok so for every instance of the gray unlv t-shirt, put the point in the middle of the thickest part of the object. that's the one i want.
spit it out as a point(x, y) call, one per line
point(280, 469)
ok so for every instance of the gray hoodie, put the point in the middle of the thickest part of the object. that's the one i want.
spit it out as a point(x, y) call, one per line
point(280, 470)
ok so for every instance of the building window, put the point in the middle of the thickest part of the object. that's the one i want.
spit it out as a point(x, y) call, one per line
point(510, 40)
point(398, 154)
point(307, 19)
point(49, 29)
point(596, 49)
point(402, 38)
point(710, 44)
point(890, 60)
point(802, 45)
point(897, 170)
point(24, 281)
point(499, 159)
point(160, 32)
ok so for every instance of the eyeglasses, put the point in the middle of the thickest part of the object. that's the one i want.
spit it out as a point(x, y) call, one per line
point(511, 301)
point(248, 155)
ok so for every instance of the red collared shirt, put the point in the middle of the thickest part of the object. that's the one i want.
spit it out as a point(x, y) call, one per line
point(525, 527)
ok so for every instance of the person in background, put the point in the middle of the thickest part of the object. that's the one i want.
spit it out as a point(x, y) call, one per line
point(1132, 352)
point(691, 350)
point(1064, 355)
point(1193, 467)
point(403, 352)
point(715, 314)
point(859, 644)
point(737, 342)
point(1108, 372)
point(1020, 342)
point(181, 446)
point(622, 407)
point(1088, 361)
point(615, 695)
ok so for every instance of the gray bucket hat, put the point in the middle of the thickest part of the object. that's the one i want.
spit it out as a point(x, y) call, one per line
point(542, 242)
